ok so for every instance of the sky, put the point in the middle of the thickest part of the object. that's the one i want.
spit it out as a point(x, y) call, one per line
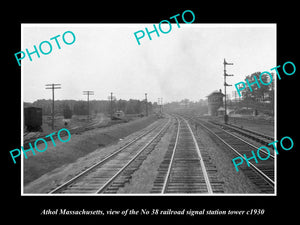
point(185, 63)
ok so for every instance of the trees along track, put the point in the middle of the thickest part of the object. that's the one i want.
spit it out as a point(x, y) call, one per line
point(261, 173)
point(185, 169)
point(111, 173)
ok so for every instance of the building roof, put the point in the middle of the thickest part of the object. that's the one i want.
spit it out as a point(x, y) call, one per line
point(216, 92)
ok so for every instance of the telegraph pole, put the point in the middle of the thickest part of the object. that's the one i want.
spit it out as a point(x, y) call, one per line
point(146, 102)
point(159, 103)
point(225, 85)
point(111, 109)
point(88, 93)
point(53, 86)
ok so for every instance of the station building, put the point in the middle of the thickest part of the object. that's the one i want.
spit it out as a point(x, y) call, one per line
point(215, 102)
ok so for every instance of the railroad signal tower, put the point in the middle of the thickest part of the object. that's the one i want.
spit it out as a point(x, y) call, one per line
point(225, 85)
point(53, 86)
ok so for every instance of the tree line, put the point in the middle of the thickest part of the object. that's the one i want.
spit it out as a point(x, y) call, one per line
point(260, 98)
point(264, 93)
point(67, 108)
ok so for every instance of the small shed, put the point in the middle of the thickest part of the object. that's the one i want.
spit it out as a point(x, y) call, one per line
point(221, 111)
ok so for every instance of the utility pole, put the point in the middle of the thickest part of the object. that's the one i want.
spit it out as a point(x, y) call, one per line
point(111, 109)
point(53, 86)
point(225, 85)
point(88, 93)
point(146, 102)
point(160, 105)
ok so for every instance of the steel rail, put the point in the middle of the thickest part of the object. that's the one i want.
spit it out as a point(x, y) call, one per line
point(238, 129)
point(272, 156)
point(268, 179)
point(201, 160)
point(171, 160)
point(101, 189)
point(170, 167)
point(67, 183)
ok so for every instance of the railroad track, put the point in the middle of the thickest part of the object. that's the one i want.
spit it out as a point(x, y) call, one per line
point(111, 173)
point(186, 169)
point(254, 135)
point(262, 173)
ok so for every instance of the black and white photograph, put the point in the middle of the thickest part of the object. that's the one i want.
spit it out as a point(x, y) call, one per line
point(129, 109)
point(158, 113)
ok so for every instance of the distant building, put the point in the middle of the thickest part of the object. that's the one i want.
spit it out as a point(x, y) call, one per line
point(215, 101)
